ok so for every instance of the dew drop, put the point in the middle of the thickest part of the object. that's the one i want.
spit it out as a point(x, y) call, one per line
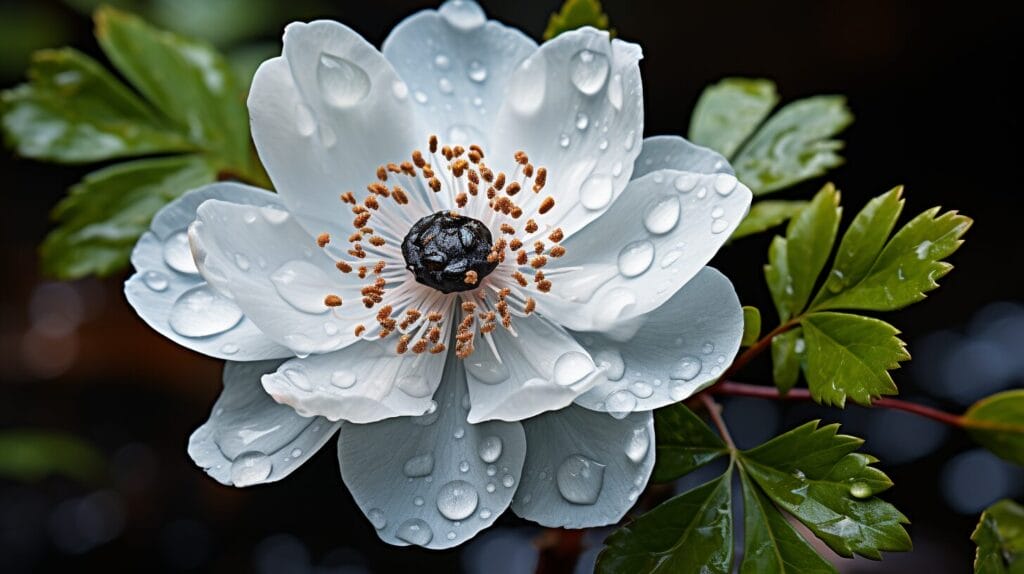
point(685, 369)
point(580, 479)
point(490, 449)
point(663, 215)
point(588, 71)
point(343, 379)
point(463, 14)
point(490, 487)
point(155, 280)
point(488, 371)
point(229, 349)
point(459, 432)
point(638, 445)
point(445, 85)
point(377, 518)
point(635, 258)
point(177, 254)
point(571, 368)
point(297, 378)
point(485, 514)
point(620, 403)
point(708, 348)
point(629, 141)
point(274, 215)
point(201, 312)
point(582, 121)
point(242, 262)
point(564, 141)
point(679, 391)
point(414, 385)
point(415, 531)
point(457, 500)
point(617, 169)
point(685, 182)
point(250, 468)
point(615, 91)
point(400, 89)
point(717, 212)
point(418, 501)
point(719, 225)
point(420, 465)
point(464, 466)
point(342, 83)
point(596, 192)
point(641, 389)
point(301, 284)
point(725, 183)
point(420, 97)
point(508, 481)
point(477, 72)
point(670, 258)
point(611, 361)
point(603, 145)
point(296, 452)
point(441, 62)
point(860, 490)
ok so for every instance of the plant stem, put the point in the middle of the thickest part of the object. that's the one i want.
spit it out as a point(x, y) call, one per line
point(715, 411)
point(744, 390)
point(757, 348)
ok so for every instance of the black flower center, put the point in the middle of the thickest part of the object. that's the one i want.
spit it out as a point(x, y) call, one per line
point(448, 252)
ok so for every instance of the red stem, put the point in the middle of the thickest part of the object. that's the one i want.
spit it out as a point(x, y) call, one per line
point(757, 348)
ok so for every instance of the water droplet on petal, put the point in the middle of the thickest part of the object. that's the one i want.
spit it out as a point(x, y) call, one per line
point(630, 140)
point(414, 385)
point(420, 97)
point(442, 62)
point(571, 368)
point(685, 369)
point(343, 379)
point(201, 312)
point(508, 481)
point(582, 121)
point(663, 215)
point(611, 361)
point(580, 479)
point(488, 371)
point(719, 225)
point(177, 254)
point(155, 280)
point(641, 389)
point(685, 182)
point(463, 14)
point(725, 183)
point(242, 262)
point(717, 212)
point(229, 349)
point(445, 85)
point(620, 403)
point(457, 500)
point(638, 445)
point(302, 285)
point(297, 377)
point(490, 449)
point(708, 348)
point(615, 91)
point(588, 71)
point(296, 452)
point(459, 432)
point(415, 531)
point(417, 501)
point(596, 192)
point(477, 72)
point(564, 141)
point(400, 89)
point(421, 465)
point(342, 83)
point(485, 514)
point(635, 258)
point(377, 518)
point(250, 468)
point(670, 258)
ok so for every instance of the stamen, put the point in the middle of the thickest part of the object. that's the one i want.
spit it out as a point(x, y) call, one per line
point(471, 278)
point(323, 239)
point(546, 205)
point(332, 301)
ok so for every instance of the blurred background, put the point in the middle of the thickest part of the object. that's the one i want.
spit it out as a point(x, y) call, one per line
point(112, 403)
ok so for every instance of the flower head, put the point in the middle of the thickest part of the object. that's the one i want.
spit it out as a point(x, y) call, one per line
point(473, 260)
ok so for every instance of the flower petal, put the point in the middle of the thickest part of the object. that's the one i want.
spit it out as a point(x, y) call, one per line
point(433, 480)
point(657, 236)
point(273, 270)
point(541, 368)
point(457, 65)
point(249, 439)
point(674, 152)
point(324, 115)
point(584, 468)
point(172, 298)
point(362, 383)
point(681, 348)
point(575, 107)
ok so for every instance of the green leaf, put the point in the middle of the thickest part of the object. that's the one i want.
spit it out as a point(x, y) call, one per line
point(684, 443)
point(103, 216)
point(73, 110)
point(794, 264)
point(794, 145)
point(787, 353)
point(771, 545)
point(817, 476)
point(850, 356)
point(997, 423)
point(576, 14)
point(30, 455)
point(729, 111)
point(906, 269)
point(689, 533)
point(767, 214)
point(751, 325)
point(1000, 539)
point(187, 80)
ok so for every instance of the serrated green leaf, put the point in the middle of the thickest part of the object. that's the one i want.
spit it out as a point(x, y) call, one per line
point(816, 475)
point(787, 354)
point(997, 423)
point(188, 81)
point(30, 455)
point(72, 110)
point(689, 533)
point(729, 111)
point(751, 326)
point(684, 443)
point(103, 216)
point(576, 14)
point(850, 356)
point(907, 267)
point(999, 537)
point(771, 545)
point(767, 214)
point(807, 247)
point(794, 145)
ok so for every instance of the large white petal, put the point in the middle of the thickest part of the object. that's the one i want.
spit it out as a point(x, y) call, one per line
point(674, 152)
point(324, 115)
point(681, 348)
point(656, 237)
point(457, 65)
point(274, 271)
point(541, 368)
point(434, 480)
point(170, 295)
point(249, 439)
point(362, 383)
point(584, 468)
point(576, 107)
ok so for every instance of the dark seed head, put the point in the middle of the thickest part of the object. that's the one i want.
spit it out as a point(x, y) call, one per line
point(441, 248)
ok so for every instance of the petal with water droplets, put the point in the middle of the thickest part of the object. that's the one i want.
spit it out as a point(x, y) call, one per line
point(674, 152)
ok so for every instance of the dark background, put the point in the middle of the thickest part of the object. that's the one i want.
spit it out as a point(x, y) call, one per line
point(930, 85)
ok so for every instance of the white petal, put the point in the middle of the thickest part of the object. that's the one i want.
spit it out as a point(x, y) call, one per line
point(674, 152)
point(277, 275)
point(584, 468)
point(576, 108)
point(541, 368)
point(681, 348)
point(249, 438)
point(457, 66)
point(362, 383)
point(324, 116)
point(168, 292)
point(434, 480)
point(658, 235)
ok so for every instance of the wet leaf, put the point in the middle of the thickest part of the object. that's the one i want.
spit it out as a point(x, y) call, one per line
point(684, 443)
point(997, 423)
point(729, 111)
point(1000, 539)
point(787, 354)
point(751, 325)
point(576, 14)
point(767, 214)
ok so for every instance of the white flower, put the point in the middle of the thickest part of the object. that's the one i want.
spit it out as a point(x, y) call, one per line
point(457, 405)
